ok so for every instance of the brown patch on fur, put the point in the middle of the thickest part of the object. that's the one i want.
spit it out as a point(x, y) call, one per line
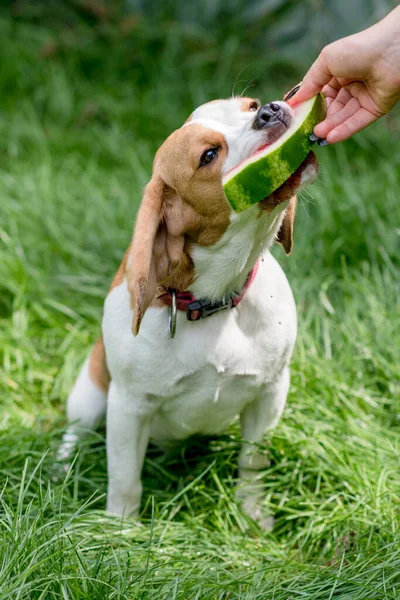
point(245, 103)
point(120, 274)
point(285, 234)
point(286, 192)
point(183, 204)
point(98, 371)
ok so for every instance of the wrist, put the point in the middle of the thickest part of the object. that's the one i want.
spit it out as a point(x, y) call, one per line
point(388, 29)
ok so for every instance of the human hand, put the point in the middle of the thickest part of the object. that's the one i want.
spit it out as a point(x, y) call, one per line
point(360, 78)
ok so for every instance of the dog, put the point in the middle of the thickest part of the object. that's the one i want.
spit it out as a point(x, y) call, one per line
point(163, 371)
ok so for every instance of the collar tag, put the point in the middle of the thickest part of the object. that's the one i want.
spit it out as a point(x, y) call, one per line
point(172, 314)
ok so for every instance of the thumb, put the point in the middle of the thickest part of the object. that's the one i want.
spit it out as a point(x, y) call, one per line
point(317, 76)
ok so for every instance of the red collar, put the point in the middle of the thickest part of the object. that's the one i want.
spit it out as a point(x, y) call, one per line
point(202, 308)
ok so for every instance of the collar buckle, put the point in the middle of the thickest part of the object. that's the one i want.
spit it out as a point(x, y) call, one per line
point(201, 309)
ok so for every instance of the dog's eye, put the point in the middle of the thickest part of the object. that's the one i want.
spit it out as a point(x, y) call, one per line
point(208, 156)
point(254, 106)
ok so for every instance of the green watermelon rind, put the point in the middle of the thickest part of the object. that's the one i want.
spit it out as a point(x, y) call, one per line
point(258, 179)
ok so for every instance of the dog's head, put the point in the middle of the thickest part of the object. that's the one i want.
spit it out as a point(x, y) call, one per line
point(185, 225)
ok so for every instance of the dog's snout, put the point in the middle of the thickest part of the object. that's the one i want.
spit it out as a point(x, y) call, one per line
point(270, 114)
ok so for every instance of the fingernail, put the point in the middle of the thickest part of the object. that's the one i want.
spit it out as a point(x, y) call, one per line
point(322, 143)
point(292, 92)
point(314, 138)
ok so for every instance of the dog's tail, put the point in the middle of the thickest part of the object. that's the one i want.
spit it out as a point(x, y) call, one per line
point(87, 401)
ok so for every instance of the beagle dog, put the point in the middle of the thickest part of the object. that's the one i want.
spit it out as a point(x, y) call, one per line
point(199, 323)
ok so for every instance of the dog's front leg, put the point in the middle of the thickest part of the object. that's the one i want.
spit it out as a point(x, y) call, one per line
point(258, 417)
point(128, 431)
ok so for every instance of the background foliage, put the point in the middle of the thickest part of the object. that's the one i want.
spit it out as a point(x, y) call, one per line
point(89, 91)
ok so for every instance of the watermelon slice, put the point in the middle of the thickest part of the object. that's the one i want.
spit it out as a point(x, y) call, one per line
point(263, 172)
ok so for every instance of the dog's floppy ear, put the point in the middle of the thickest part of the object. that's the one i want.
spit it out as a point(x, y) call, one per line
point(155, 251)
point(285, 233)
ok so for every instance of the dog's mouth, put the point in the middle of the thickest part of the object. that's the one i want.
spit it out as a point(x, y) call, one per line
point(306, 174)
point(275, 118)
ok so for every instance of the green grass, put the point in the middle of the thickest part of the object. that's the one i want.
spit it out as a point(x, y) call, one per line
point(77, 134)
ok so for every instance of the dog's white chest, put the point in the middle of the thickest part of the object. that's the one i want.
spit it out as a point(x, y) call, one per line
point(199, 381)
point(205, 402)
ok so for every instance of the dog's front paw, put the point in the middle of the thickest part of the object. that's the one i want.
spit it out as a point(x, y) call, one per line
point(124, 503)
point(252, 506)
point(62, 466)
point(133, 517)
point(250, 495)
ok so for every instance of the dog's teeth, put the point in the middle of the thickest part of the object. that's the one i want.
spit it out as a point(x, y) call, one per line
point(322, 143)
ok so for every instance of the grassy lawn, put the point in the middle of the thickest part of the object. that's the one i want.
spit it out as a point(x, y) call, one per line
point(80, 120)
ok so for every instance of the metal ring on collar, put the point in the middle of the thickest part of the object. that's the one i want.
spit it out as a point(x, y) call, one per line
point(172, 314)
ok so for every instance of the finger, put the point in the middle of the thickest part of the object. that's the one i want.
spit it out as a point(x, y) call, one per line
point(317, 76)
point(334, 108)
point(328, 102)
point(363, 95)
point(332, 121)
point(329, 91)
point(340, 101)
point(333, 86)
point(340, 109)
point(361, 119)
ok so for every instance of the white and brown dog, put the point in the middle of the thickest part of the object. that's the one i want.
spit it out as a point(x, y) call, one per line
point(190, 250)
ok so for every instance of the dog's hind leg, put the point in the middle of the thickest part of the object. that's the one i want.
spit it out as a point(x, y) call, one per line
point(87, 401)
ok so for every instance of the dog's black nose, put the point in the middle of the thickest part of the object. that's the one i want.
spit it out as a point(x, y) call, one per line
point(268, 115)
